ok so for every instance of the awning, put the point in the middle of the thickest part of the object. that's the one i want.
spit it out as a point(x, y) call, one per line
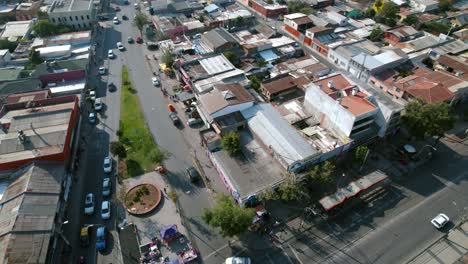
point(269, 55)
point(168, 231)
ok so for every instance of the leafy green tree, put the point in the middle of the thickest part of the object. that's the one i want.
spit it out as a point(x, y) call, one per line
point(231, 143)
point(359, 154)
point(423, 119)
point(201, 18)
point(231, 56)
point(376, 34)
point(411, 20)
point(9, 45)
point(307, 10)
point(168, 58)
point(428, 62)
point(391, 22)
point(239, 21)
point(389, 10)
point(261, 63)
point(231, 219)
point(437, 27)
point(118, 149)
point(369, 13)
point(322, 173)
point(44, 28)
point(295, 6)
point(42, 15)
point(62, 29)
point(292, 191)
point(35, 57)
point(255, 83)
point(445, 5)
point(140, 20)
point(270, 2)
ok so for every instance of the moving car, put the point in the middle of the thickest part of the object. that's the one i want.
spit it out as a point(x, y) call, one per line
point(92, 95)
point(102, 70)
point(92, 118)
point(106, 187)
point(89, 204)
point(110, 54)
point(193, 174)
point(155, 81)
point(116, 21)
point(85, 235)
point(120, 46)
point(440, 221)
point(101, 235)
point(130, 40)
point(139, 40)
point(105, 210)
point(98, 104)
point(175, 119)
point(117, 9)
point(107, 164)
point(238, 260)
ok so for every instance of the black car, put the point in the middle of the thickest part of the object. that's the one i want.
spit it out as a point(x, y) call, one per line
point(193, 174)
point(175, 119)
point(124, 17)
point(112, 87)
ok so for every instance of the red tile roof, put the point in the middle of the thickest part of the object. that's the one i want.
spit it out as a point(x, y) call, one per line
point(339, 83)
point(357, 105)
point(429, 91)
point(285, 83)
point(452, 62)
point(302, 20)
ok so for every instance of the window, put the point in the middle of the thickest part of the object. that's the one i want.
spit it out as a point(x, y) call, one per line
point(79, 25)
point(65, 19)
point(76, 18)
point(53, 20)
point(71, 18)
point(87, 16)
point(82, 17)
point(59, 19)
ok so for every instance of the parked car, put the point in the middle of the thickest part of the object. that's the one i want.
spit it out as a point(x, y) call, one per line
point(89, 204)
point(85, 236)
point(130, 40)
point(440, 221)
point(116, 21)
point(92, 95)
point(98, 104)
point(155, 81)
point(120, 46)
point(139, 40)
point(92, 118)
point(194, 121)
point(238, 260)
point(102, 70)
point(106, 186)
point(107, 164)
point(124, 17)
point(193, 174)
point(101, 234)
point(110, 54)
point(175, 119)
point(136, 6)
point(105, 210)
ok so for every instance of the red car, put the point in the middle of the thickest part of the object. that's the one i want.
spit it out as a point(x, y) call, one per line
point(117, 9)
point(139, 40)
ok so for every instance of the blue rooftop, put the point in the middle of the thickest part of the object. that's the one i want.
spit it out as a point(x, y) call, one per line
point(211, 8)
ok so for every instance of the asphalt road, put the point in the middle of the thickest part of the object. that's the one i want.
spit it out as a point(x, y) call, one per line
point(401, 228)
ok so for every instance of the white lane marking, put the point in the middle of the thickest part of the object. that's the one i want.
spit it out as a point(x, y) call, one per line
point(217, 250)
point(295, 254)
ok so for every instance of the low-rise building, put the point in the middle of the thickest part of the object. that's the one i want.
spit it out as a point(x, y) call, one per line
point(16, 30)
point(219, 40)
point(453, 65)
point(401, 34)
point(297, 23)
point(284, 87)
point(319, 37)
point(5, 57)
point(75, 39)
point(27, 10)
point(267, 10)
point(79, 14)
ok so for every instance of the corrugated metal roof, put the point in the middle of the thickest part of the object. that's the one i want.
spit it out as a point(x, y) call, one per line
point(211, 8)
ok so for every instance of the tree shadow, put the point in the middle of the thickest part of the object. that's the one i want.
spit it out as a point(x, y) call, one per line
point(205, 231)
point(133, 167)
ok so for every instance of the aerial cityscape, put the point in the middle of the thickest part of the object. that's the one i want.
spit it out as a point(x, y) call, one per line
point(234, 132)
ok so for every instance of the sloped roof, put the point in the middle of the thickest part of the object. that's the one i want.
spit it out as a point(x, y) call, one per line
point(218, 37)
point(453, 63)
point(429, 91)
point(224, 95)
point(59, 66)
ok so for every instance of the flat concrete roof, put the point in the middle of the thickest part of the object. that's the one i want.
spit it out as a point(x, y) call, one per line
point(71, 5)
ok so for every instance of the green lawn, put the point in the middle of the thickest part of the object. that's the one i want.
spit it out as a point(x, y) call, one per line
point(142, 153)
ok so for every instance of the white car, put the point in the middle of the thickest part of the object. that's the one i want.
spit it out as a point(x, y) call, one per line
point(120, 46)
point(92, 118)
point(105, 210)
point(106, 187)
point(238, 260)
point(136, 6)
point(155, 81)
point(107, 164)
point(440, 220)
point(92, 95)
point(102, 70)
point(98, 104)
point(116, 21)
point(110, 54)
point(89, 204)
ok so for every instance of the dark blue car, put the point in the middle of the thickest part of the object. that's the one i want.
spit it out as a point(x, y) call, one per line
point(101, 238)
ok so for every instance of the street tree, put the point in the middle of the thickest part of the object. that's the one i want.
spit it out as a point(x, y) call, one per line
point(307, 10)
point(44, 28)
point(140, 20)
point(35, 57)
point(376, 34)
point(118, 149)
point(231, 219)
point(369, 13)
point(9, 45)
point(295, 6)
point(231, 143)
point(255, 83)
point(232, 57)
point(445, 5)
point(411, 20)
point(389, 10)
point(322, 173)
point(239, 21)
point(359, 154)
point(168, 58)
point(292, 191)
point(423, 119)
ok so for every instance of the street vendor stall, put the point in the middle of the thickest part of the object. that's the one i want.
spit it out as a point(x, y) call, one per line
point(189, 254)
point(169, 233)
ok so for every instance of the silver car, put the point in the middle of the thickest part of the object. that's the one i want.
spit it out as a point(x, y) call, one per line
point(89, 204)
point(106, 187)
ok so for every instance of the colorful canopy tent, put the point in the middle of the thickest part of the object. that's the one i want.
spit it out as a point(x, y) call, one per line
point(169, 233)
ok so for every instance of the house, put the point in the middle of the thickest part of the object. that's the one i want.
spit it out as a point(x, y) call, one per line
point(303, 66)
point(38, 130)
point(340, 106)
point(79, 14)
point(318, 37)
point(342, 53)
point(219, 40)
point(453, 65)
point(267, 10)
point(266, 30)
point(16, 30)
point(424, 5)
point(27, 10)
point(75, 39)
point(401, 34)
point(33, 204)
point(297, 23)
point(283, 87)
point(169, 25)
point(10, 74)
point(5, 57)
point(319, 4)
point(219, 106)
point(363, 65)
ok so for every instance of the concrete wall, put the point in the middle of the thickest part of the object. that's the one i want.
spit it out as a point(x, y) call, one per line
point(72, 75)
point(232, 109)
point(338, 60)
point(330, 114)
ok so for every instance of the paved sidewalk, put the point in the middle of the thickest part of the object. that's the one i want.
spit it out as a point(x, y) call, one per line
point(450, 249)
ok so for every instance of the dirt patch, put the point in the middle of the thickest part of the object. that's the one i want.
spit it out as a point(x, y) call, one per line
point(142, 199)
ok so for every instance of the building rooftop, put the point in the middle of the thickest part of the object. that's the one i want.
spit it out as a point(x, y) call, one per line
point(30, 96)
point(234, 76)
point(276, 133)
point(8, 74)
point(284, 83)
point(217, 64)
point(45, 129)
point(294, 16)
point(455, 63)
point(429, 91)
point(27, 213)
point(224, 95)
point(218, 37)
point(302, 20)
point(80, 36)
point(70, 5)
point(15, 30)
point(20, 85)
point(404, 31)
point(60, 66)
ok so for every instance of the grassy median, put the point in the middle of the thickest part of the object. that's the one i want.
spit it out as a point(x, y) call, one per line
point(143, 155)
